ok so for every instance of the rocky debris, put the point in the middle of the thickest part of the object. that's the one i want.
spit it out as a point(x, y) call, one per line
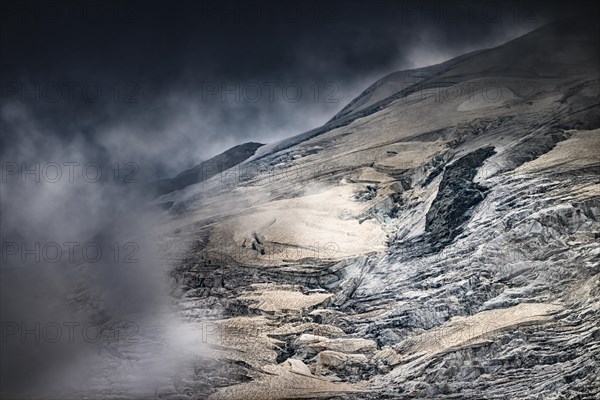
point(366, 195)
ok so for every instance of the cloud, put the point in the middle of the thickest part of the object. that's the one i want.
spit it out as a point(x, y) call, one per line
point(81, 273)
point(152, 66)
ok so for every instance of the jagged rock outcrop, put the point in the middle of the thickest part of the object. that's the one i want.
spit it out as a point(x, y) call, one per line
point(457, 195)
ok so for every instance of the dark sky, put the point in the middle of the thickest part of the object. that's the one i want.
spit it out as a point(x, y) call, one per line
point(168, 84)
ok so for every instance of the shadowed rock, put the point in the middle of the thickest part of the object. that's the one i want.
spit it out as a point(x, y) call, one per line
point(456, 196)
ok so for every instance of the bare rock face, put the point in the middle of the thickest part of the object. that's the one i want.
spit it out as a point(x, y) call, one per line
point(457, 195)
point(437, 239)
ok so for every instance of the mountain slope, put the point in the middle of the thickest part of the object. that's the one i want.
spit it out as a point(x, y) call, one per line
point(395, 83)
point(436, 242)
point(563, 48)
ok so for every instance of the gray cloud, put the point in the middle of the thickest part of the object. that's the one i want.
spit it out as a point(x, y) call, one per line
point(153, 65)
